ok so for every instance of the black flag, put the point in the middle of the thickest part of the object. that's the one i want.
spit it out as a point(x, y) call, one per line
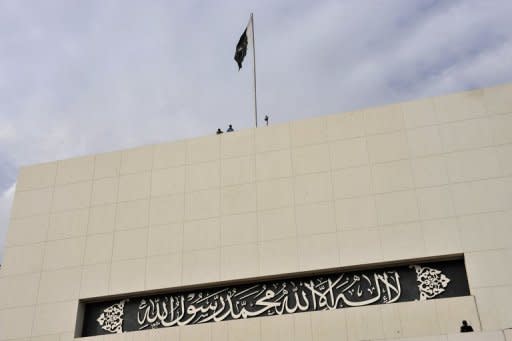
point(241, 49)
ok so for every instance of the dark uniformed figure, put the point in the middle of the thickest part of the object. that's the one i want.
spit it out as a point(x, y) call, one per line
point(230, 128)
point(465, 328)
point(219, 131)
point(266, 119)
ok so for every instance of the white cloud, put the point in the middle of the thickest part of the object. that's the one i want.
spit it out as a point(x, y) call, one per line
point(7, 132)
point(5, 207)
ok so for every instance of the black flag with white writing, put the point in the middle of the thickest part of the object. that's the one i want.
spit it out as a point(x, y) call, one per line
point(241, 47)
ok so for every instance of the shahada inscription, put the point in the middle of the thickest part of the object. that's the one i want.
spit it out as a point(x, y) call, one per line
point(287, 296)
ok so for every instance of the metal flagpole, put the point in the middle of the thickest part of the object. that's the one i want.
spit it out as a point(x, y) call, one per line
point(254, 72)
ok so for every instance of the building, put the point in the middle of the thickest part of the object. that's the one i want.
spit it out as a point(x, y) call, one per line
point(124, 240)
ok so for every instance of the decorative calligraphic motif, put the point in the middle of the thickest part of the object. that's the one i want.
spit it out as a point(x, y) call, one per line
point(431, 282)
point(326, 292)
point(111, 319)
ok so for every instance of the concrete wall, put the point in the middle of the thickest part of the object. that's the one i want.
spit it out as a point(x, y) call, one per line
point(419, 179)
point(476, 336)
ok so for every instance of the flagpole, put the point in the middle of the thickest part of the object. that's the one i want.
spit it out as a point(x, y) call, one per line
point(254, 72)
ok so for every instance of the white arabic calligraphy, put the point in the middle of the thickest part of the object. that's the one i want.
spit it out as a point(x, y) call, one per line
point(276, 299)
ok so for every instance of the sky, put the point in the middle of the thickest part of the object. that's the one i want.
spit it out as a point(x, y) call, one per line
point(82, 77)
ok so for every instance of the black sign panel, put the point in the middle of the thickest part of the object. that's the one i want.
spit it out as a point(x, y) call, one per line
point(287, 296)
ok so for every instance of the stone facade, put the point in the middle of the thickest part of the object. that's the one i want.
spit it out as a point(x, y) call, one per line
point(414, 180)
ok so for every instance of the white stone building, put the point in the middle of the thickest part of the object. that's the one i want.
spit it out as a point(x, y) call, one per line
point(402, 183)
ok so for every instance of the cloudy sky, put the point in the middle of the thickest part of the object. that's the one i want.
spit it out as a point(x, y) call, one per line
point(80, 77)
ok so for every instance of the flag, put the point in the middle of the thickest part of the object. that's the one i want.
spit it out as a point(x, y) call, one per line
point(241, 47)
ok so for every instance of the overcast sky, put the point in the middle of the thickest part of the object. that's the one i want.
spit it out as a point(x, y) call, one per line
point(81, 77)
